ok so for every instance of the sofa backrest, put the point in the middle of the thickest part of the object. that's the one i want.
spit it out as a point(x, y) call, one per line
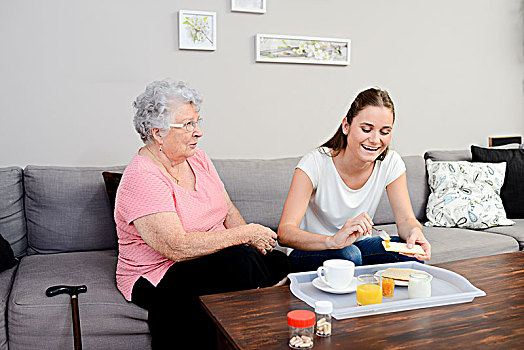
point(418, 192)
point(67, 209)
point(449, 156)
point(12, 216)
point(258, 188)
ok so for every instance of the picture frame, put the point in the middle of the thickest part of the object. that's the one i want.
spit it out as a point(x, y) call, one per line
point(252, 6)
point(197, 30)
point(302, 49)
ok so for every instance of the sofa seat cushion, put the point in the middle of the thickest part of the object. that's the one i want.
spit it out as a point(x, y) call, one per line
point(6, 281)
point(450, 244)
point(107, 320)
point(516, 231)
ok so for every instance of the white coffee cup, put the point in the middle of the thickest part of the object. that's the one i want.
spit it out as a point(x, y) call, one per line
point(336, 273)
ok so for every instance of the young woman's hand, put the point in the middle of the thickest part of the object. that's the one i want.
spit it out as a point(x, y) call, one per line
point(417, 237)
point(352, 229)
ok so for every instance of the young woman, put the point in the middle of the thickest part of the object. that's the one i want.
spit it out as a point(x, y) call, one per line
point(336, 189)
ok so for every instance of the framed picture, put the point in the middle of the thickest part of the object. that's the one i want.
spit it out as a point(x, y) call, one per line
point(197, 30)
point(254, 6)
point(302, 49)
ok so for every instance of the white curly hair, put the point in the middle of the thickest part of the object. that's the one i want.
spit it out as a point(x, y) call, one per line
point(152, 106)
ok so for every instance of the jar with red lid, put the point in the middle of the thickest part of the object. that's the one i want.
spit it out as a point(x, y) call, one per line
point(301, 329)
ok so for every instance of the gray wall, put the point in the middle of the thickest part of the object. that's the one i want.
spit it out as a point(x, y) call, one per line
point(69, 71)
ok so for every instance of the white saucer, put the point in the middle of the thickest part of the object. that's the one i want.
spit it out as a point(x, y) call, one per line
point(317, 283)
point(397, 282)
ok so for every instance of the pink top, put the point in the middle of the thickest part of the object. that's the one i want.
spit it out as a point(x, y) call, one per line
point(145, 189)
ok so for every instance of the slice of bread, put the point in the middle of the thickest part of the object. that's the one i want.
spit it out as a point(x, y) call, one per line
point(403, 248)
point(397, 273)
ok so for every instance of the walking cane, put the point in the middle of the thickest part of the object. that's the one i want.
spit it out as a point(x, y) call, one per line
point(73, 291)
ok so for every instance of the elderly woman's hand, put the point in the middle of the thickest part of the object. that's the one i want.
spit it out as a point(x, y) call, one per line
point(262, 238)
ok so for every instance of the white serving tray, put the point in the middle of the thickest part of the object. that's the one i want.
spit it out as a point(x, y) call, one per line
point(447, 287)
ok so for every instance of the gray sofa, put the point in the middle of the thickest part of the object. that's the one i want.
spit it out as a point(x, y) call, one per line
point(60, 225)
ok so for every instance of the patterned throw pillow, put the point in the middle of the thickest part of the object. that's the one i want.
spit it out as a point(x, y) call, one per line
point(465, 194)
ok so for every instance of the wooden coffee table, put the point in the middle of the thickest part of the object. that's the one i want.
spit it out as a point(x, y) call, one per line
point(256, 319)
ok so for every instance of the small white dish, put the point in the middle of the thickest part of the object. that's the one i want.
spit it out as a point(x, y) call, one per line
point(317, 283)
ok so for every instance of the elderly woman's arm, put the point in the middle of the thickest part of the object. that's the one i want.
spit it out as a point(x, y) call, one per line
point(233, 218)
point(164, 233)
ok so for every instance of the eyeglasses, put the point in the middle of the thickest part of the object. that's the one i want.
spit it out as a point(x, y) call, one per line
point(189, 126)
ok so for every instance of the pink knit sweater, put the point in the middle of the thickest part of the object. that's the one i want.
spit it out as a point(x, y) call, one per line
point(146, 189)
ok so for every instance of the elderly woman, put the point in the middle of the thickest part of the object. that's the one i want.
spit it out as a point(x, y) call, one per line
point(179, 234)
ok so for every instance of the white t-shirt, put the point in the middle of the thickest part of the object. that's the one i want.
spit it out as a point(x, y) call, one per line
point(332, 202)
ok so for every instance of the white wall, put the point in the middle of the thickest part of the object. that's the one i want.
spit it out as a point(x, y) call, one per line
point(69, 71)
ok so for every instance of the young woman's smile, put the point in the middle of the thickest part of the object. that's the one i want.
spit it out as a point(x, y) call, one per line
point(370, 133)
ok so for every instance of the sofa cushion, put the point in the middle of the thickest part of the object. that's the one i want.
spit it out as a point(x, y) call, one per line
point(465, 194)
point(107, 320)
point(516, 231)
point(12, 216)
point(67, 209)
point(417, 188)
point(258, 188)
point(449, 156)
point(6, 280)
point(112, 180)
point(7, 257)
point(449, 244)
point(512, 192)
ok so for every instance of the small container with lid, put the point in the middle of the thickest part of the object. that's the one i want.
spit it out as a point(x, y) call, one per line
point(388, 287)
point(419, 285)
point(301, 324)
point(323, 310)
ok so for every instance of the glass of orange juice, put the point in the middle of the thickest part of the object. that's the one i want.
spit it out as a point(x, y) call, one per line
point(369, 290)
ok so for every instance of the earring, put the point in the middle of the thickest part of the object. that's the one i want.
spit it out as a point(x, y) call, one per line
point(160, 148)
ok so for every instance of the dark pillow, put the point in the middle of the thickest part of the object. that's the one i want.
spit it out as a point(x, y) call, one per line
point(7, 257)
point(512, 192)
point(112, 180)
